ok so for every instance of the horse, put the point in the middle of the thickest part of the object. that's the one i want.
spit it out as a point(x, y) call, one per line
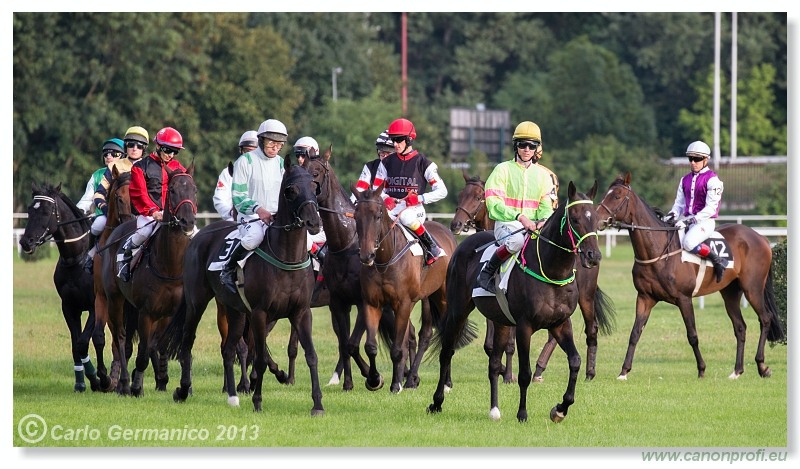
point(659, 274)
point(155, 289)
point(278, 282)
point(542, 294)
point(52, 215)
point(119, 211)
point(391, 274)
point(596, 307)
point(342, 272)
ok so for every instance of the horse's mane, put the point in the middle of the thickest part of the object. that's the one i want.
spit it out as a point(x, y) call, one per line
point(334, 182)
point(475, 179)
point(55, 192)
point(121, 178)
point(654, 211)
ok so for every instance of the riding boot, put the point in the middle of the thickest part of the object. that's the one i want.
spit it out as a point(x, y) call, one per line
point(88, 264)
point(228, 275)
point(719, 264)
point(486, 276)
point(321, 253)
point(434, 251)
point(125, 264)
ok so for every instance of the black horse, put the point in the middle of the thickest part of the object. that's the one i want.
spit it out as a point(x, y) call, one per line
point(52, 215)
point(542, 294)
point(278, 282)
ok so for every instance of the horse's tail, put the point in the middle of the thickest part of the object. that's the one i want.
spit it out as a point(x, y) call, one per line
point(386, 328)
point(605, 312)
point(173, 334)
point(776, 332)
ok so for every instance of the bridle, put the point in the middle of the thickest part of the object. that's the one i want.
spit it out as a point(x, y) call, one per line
point(471, 216)
point(173, 220)
point(612, 220)
point(348, 216)
point(47, 234)
point(397, 254)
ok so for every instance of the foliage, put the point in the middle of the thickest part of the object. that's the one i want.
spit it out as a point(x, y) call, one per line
point(780, 278)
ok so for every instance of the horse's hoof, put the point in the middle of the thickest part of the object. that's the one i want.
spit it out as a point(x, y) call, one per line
point(494, 414)
point(397, 389)
point(233, 401)
point(734, 375)
point(317, 412)
point(434, 409)
point(767, 373)
point(538, 379)
point(137, 392)
point(376, 387)
point(556, 416)
point(447, 389)
point(622, 377)
point(178, 396)
point(334, 379)
point(79, 387)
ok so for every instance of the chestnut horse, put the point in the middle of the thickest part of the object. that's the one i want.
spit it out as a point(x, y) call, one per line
point(542, 294)
point(278, 282)
point(52, 215)
point(156, 287)
point(659, 274)
point(597, 307)
point(392, 275)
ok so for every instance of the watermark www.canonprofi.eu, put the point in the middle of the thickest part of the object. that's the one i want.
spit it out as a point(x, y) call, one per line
point(33, 429)
point(760, 455)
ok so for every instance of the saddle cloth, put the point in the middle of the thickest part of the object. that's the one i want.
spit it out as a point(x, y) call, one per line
point(505, 271)
point(416, 249)
point(231, 239)
point(716, 242)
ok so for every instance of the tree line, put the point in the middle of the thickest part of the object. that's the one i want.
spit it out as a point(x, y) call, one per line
point(612, 92)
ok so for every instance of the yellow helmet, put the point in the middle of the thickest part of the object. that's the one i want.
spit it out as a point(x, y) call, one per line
point(137, 133)
point(528, 131)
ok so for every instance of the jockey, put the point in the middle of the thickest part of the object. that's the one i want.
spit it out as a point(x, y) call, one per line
point(136, 140)
point(520, 193)
point(697, 205)
point(384, 147)
point(256, 184)
point(111, 153)
point(407, 174)
point(149, 181)
point(223, 199)
point(308, 148)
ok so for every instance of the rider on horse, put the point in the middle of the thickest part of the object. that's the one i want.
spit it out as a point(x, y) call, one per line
point(223, 197)
point(407, 174)
point(111, 153)
point(520, 193)
point(256, 184)
point(149, 181)
point(384, 147)
point(308, 148)
point(697, 204)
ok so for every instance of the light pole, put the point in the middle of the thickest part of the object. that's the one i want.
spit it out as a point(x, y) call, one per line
point(335, 71)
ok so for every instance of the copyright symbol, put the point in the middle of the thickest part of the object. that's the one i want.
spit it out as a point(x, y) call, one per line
point(32, 428)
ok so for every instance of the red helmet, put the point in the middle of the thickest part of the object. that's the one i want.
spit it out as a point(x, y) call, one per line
point(402, 128)
point(169, 137)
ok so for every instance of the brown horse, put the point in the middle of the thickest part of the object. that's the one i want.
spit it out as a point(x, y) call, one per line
point(119, 211)
point(278, 281)
point(392, 275)
point(597, 308)
point(156, 287)
point(52, 215)
point(542, 294)
point(659, 274)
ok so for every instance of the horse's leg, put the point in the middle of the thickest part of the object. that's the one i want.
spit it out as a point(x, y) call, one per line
point(258, 325)
point(100, 381)
point(644, 304)
point(510, 348)
point(340, 321)
point(222, 327)
point(143, 355)
point(236, 325)
point(564, 337)
point(767, 317)
point(458, 310)
point(302, 324)
point(523, 332)
point(353, 343)
point(411, 346)
point(196, 304)
point(374, 379)
point(120, 381)
point(73, 320)
point(272, 366)
point(87, 336)
point(399, 351)
point(500, 335)
point(425, 332)
point(99, 339)
point(544, 357)
point(291, 352)
point(732, 295)
point(687, 313)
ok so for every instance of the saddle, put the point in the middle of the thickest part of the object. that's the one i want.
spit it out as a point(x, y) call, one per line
point(501, 279)
point(416, 244)
point(138, 253)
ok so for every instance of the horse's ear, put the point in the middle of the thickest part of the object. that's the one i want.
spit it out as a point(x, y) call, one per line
point(328, 152)
point(628, 179)
point(464, 173)
point(593, 191)
point(114, 171)
point(355, 191)
point(571, 191)
point(230, 168)
point(380, 189)
point(190, 169)
point(287, 163)
point(58, 187)
point(35, 187)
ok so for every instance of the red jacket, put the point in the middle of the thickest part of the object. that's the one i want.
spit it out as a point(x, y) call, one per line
point(149, 183)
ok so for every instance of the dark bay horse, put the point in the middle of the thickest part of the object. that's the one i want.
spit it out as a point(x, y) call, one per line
point(119, 211)
point(542, 294)
point(156, 286)
point(596, 307)
point(52, 215)
point(392, 275)
point(278, 282)
point(660, 275)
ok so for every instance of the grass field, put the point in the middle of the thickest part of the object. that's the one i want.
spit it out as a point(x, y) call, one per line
point(663, 404)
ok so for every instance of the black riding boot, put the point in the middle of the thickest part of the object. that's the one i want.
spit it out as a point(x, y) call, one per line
point(486, 276)
point(434, 251)
point(88, 264)
point(321, 253)
point(228, 275)
point(719, 265)
point(125, 264)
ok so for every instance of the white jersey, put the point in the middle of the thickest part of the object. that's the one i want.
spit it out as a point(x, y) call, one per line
point(223, 195)
point(256, 182)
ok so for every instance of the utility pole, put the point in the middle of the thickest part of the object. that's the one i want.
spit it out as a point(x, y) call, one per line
point(404, 62)
point(334, 72)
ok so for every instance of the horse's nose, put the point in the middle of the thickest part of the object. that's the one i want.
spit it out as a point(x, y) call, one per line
point(603, 224)
point(456, 227)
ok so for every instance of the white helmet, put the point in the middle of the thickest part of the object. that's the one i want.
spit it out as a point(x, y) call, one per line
point(273, 129)
point(698, 148)
point(307, 147)
point(249, 139)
